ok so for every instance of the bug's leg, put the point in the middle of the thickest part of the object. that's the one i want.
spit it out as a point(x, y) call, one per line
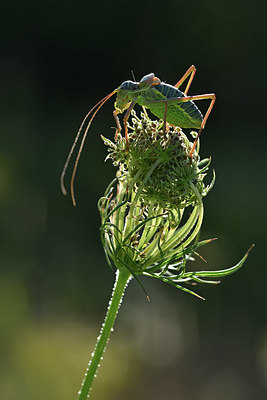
point(145, 112)
point(213, 98)
point(185, 99)
point(126, 117)
point(165, 117)
point(115, 115)
point(191, 71)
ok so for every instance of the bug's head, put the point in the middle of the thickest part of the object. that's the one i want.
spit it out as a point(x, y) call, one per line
point(123, 91)
point(148, 81)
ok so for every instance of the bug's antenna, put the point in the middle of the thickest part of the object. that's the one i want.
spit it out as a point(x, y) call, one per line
point(133, 75)
point(62, 185)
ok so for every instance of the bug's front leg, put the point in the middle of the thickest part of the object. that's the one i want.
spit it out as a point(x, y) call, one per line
point(118, 130)
point(126, 117)
point(129, 106)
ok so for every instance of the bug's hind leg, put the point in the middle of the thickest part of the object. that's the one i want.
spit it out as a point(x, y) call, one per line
point(213, 98)
point(191, 71)
point(185, 99)
point(165, 118)
point(165, 123)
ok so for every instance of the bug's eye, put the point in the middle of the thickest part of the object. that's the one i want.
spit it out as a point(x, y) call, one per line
point(128, 85)
point(124, 85)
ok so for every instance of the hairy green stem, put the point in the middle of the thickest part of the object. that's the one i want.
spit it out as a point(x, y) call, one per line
point(122, 279)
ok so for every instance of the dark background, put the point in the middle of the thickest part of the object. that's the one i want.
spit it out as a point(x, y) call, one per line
point(57, 60)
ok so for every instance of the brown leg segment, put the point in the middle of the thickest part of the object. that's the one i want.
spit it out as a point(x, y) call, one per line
point(129, 108)
point(115, 115)
point(165, 117)
point(191, 71)
point(213, 98)
point(126, 117)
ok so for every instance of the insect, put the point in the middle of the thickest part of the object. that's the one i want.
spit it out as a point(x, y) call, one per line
point(163, 100)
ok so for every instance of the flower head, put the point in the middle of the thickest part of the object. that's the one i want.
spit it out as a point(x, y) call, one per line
point(146, 227)
point(174, 173)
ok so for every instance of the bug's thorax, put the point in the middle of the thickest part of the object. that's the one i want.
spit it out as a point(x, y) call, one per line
point(123, 94)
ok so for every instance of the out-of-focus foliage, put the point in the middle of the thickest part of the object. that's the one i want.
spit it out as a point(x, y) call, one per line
point(57, 60)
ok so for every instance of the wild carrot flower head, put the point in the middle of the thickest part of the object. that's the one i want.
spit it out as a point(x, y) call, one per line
point(174, 173)
point(152, 212)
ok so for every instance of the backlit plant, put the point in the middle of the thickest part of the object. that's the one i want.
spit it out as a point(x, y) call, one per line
point(151, 215)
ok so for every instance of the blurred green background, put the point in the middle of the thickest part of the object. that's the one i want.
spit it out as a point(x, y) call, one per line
point(57, 60)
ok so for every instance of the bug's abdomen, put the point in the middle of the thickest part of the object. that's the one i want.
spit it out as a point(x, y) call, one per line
point(184, 114)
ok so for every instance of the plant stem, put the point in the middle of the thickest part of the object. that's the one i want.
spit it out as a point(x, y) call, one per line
point(122, 279)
